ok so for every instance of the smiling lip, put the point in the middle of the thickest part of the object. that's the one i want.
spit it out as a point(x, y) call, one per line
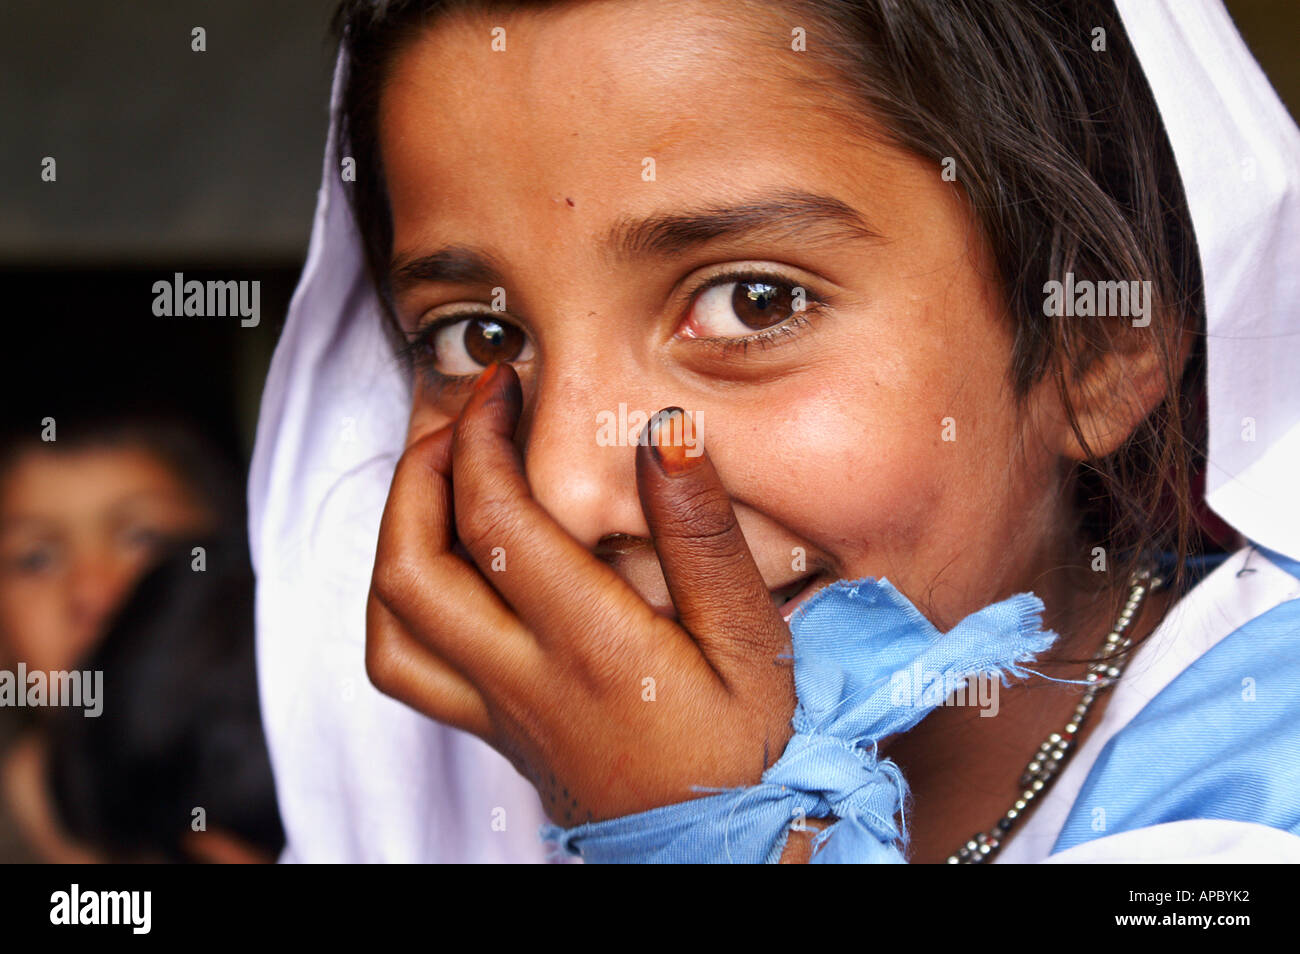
point(782, 598)
point(811, 585)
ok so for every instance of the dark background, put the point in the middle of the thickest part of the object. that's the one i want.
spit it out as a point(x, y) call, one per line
point(167, 160)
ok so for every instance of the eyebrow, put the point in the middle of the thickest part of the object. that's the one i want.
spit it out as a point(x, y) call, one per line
point(809, 218)
point(116, 508)
point(10, 525)
point(802, 215)
point(153, 495)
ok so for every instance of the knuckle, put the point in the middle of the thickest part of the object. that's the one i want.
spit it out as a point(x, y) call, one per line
point(382, 663)
point(599, 648)
point(422, 451)
point(414, 460)
point(705, 514)
point(610, 655)
point(600, 667)
point(396, 576)
point(761, 654)
point(750, 646)
point(484, 523)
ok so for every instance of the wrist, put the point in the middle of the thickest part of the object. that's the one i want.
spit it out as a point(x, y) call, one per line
point(798, 847)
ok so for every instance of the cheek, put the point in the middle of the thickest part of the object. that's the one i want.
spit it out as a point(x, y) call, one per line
point(31, 618)
point(850, 472)
point(889, 476)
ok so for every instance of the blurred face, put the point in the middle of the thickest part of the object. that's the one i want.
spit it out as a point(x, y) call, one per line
point(77, 530)
point(673, 216)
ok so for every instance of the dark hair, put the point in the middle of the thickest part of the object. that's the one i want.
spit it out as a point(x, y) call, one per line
point(206, 470)
point(1061, 154)
point(180, 727)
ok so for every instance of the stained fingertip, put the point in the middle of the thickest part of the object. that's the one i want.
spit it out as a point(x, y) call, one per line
point(673, 441)
point(484, 380)
point(498, 380)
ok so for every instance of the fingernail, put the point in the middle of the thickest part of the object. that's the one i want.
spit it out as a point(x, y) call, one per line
point(666, 434)
point(484, 380)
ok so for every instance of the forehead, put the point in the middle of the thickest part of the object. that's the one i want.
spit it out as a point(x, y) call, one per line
point(583, 95)
point(74, 484)
point(613, 66)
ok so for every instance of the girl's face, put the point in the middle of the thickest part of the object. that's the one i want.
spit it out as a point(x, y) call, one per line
point(649, 184)
point(77, 530)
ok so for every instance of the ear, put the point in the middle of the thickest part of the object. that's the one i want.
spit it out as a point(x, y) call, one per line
point(1118, 389)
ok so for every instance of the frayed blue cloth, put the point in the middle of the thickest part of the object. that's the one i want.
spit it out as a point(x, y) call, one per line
point(867, 665)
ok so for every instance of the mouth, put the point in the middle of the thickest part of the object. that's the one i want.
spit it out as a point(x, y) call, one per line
point(788, 597)
point(785, 598)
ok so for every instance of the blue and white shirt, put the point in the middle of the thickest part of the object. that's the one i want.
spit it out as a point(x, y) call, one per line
point(1197, 755)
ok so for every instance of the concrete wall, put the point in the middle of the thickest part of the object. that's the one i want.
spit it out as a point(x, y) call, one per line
point(162, 153)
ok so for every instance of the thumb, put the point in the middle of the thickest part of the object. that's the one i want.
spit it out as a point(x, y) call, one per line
point(720, 595)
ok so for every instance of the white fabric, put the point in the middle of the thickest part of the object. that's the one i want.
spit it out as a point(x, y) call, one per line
point(362, 778)
point(1238, 153)
point(1222, 603)
point(359, 777)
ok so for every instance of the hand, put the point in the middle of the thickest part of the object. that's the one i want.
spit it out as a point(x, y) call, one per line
point(607, 707)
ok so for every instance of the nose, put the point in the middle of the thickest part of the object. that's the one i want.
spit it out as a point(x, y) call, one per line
point(96, 587)
point(579, 436)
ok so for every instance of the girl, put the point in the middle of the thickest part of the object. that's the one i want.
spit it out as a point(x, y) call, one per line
point(832, 243)
point(83, 518)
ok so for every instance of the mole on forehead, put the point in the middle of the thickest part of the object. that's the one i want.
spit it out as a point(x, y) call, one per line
point(811, 218)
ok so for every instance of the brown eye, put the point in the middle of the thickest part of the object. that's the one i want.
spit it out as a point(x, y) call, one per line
point(464, 347)
point(487, 340)
point(743, 305)
point(761, 304)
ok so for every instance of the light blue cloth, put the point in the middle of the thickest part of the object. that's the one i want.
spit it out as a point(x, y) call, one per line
point(867, 664)
point(1221, 741)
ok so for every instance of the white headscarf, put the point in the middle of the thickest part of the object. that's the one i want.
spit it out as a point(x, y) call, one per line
point(1238, 153)
point(361, 777)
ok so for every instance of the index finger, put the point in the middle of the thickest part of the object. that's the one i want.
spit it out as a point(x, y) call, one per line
point(720, 595)
point(553, 582)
